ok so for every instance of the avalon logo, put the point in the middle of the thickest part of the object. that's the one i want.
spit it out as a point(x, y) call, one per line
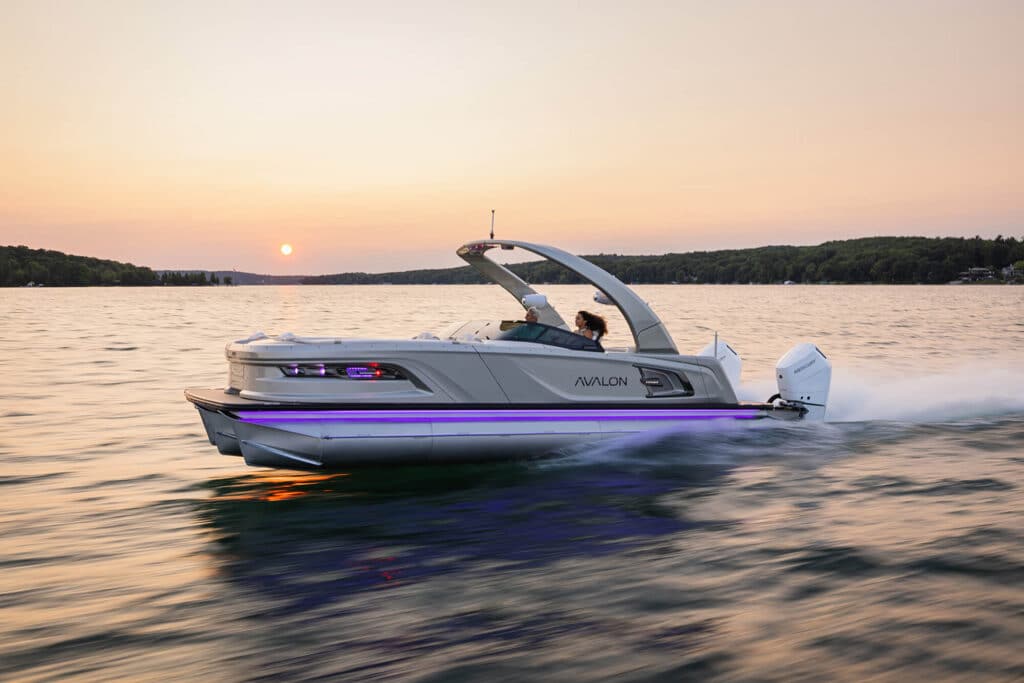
point(602, 381)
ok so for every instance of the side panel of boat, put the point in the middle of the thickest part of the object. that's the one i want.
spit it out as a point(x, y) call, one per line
point(538, 375)
point(531, 374)
point(438, 372)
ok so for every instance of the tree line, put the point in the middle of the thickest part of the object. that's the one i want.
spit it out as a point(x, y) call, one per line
point(20, 266)
point(882, 260)
point(192, 278)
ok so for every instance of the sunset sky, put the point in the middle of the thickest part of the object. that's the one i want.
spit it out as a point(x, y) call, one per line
point(378, 136)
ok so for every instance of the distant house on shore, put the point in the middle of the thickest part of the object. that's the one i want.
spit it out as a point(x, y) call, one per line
point(977, 274)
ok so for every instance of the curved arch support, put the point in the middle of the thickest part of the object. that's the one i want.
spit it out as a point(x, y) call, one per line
point(649, 333)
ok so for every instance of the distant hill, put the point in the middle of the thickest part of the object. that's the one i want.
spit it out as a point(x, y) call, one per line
point(20, 266)
point(884, 260)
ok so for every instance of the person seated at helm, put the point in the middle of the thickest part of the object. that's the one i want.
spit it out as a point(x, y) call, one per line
point(530, 318)
point(590, 325)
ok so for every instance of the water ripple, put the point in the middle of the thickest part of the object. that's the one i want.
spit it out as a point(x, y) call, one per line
point(885, 544)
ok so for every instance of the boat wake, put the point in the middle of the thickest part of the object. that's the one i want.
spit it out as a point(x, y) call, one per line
point(865, 409)
point(973, 392)
point(976, 391)
point(715, 444)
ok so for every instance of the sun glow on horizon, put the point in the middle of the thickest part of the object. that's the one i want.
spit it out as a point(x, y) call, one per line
point(286, 249)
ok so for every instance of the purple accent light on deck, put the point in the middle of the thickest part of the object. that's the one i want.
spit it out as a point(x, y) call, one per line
point(420, 416)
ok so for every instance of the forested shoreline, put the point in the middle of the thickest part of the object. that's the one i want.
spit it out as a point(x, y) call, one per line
point(880, 260)
point(20, 266)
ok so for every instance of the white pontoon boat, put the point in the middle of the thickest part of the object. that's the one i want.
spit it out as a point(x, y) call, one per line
point(483, 390)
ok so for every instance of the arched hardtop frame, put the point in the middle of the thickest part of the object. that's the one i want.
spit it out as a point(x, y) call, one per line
point(649, 333)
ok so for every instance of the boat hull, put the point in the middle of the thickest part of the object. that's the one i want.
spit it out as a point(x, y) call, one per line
point(330, 437)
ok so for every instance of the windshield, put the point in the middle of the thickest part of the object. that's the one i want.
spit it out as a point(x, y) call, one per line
point(539, 333)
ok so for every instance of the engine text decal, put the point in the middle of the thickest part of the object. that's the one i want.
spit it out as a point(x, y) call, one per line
point(804, 366)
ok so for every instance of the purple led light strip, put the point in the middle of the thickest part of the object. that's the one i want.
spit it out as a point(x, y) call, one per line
point(418, 416)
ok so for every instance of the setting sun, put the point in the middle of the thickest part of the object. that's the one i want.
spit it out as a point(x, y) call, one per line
point(286, 249)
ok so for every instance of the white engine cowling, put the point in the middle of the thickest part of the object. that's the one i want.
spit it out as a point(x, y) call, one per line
point(804, 375)
point(731, 362)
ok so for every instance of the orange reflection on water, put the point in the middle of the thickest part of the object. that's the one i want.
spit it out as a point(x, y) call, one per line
point(274, 486)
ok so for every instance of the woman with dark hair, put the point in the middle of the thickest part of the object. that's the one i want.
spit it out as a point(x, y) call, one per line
point(590, 325)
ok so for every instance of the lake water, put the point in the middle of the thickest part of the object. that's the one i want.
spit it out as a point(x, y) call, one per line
point(887, 543)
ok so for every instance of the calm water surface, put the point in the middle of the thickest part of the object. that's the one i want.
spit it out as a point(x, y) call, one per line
point(886, 544)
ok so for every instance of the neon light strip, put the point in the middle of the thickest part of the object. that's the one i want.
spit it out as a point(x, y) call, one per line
point(438, 435)
point(415, 416)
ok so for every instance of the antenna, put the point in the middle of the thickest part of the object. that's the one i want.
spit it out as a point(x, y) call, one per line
point(492, 224)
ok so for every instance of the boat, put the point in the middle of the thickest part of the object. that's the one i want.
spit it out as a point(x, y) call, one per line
point(485, 389)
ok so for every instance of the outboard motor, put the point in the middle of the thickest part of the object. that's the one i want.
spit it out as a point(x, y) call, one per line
point(730, 361)
point(804, 375)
